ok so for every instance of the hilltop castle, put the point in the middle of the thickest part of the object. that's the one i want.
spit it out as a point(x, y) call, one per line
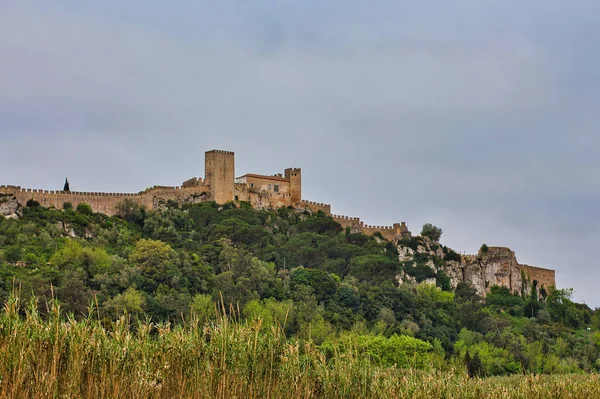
point(219, 185)
point(274, 191)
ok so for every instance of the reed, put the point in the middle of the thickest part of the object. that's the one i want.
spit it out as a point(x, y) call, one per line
point(59, 357)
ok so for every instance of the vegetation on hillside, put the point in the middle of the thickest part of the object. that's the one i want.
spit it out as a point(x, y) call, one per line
point(54, 357)
point(296, 273)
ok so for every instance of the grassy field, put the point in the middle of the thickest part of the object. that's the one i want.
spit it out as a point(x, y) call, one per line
point(57, 358)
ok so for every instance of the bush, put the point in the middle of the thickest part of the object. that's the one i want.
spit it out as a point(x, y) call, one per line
point(85, 209)
point(67, 206)
point(33, 203)
point(452, 255)
point(442, 280)
point(484, 249)
point(131, 211)
point(431, 231)
point(411, 242)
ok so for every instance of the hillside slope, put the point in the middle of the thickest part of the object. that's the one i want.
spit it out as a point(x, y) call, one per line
point(291, 267)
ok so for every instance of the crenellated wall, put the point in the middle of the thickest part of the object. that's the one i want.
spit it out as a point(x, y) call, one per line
point(105, 202)
point(219, 185)
point(316, 206)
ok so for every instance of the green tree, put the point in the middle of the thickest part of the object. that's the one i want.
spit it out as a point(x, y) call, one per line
point(203, 307)
point(131, 301)
point(131, 211)
point(84, 209)
point(431, 231)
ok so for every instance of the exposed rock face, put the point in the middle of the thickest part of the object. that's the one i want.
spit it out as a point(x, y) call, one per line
point(10, 207)
point(160, 204)
point(497, 266)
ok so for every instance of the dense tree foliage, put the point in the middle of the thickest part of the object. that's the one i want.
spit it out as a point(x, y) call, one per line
point(431, 231)
point(295, 269)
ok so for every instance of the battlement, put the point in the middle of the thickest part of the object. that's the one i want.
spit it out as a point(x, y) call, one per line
point(380, 228)
point(219, 185)
point(19, 189)
point(346, 218)
point(173, 188)
point(314, 203)
point(292, 172)
point(11, 188)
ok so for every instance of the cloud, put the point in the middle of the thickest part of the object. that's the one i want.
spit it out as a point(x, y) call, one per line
point(469, 116)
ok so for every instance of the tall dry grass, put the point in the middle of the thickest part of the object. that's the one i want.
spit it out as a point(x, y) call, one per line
point(56, 357)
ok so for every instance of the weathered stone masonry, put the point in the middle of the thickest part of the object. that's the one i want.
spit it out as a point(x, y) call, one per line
point(219, 185)
point(498, 267)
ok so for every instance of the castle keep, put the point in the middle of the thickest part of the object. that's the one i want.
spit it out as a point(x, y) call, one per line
point(274, 191)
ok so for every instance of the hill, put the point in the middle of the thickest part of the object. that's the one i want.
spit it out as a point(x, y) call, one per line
point(295, 268)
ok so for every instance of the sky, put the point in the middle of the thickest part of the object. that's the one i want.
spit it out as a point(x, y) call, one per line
point(479, 116)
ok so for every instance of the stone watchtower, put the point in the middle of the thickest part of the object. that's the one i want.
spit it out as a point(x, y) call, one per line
point(219, 174)
point(294, 175)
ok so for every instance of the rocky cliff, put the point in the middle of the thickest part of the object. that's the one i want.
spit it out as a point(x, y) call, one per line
point(424, 260)
point(9, 206)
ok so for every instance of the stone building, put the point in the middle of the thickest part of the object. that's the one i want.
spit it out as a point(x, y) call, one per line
point(219, 185)
point(498, 267)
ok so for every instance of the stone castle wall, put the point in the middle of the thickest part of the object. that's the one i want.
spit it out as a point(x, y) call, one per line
point(219, 185)
point(316, 206)
point(192, 191)
point(106, 202)
point(545, 277)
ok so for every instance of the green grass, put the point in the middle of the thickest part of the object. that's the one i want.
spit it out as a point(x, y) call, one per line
point(59, 357)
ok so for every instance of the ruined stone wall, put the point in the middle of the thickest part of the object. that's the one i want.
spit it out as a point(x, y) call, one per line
point(545, 277)
point(219, 168)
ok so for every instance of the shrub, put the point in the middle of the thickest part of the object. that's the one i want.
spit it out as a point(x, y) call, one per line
point(33, 203)
point(431, 231)
point(442, 280)
point(131, 211)
point(67, 206)
point(484, 249)
point(85, 209)
point(452, 255)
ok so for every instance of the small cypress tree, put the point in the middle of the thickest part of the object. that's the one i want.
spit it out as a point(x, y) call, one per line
point(468, 363)
point(66, 188)
point(476, 366)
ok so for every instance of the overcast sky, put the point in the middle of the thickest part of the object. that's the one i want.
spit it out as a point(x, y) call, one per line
point(478, 116)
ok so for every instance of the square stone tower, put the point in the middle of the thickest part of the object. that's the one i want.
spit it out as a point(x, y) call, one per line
point(219, 174)
point(295, 177)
